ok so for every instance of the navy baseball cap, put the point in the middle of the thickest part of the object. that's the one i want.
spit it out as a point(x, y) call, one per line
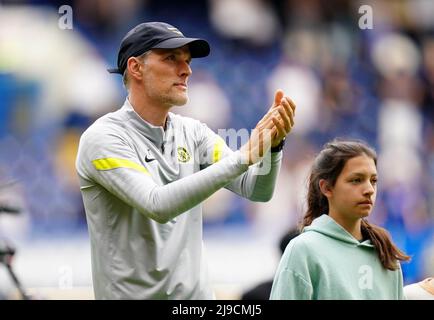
point(151, 35)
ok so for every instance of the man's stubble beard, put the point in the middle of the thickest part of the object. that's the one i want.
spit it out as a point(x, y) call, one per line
point(174, 99)
point(169, 99)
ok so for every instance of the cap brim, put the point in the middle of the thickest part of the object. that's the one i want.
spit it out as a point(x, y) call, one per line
point(199, 48)
point(114, 70)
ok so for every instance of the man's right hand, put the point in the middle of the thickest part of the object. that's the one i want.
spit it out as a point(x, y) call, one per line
point(271, 129)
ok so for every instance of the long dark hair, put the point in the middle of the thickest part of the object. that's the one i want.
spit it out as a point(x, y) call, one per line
point(328, 165)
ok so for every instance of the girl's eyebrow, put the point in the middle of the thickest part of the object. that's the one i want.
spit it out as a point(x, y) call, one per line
point(361, 174)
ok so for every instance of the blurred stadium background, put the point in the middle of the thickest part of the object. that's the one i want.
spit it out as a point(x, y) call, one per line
point(375, 84)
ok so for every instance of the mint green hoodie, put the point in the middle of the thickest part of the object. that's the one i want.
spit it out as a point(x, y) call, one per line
point(327, 262)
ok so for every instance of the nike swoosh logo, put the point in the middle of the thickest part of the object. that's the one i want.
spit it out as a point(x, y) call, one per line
point(149, 159)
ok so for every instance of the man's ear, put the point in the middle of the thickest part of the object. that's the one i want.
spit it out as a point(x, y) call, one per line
point(133, 66)
point(325, 188)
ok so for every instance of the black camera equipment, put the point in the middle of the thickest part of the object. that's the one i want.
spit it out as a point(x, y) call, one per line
point(7, 253)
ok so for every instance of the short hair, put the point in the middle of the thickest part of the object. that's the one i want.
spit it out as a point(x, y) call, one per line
point(125, 75)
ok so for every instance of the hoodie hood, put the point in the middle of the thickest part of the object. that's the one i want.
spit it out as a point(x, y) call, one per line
point(325, 225)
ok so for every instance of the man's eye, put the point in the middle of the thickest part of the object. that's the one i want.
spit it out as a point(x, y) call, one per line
point(356, 180)
point(374, 181)
point(171, 57)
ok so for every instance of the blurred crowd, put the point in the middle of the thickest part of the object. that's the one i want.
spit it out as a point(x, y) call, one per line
point(375, 84)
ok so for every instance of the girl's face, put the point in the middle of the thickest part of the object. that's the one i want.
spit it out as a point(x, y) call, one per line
point(353, 195)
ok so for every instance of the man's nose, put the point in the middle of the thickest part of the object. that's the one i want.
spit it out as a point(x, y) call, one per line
point(185, 69)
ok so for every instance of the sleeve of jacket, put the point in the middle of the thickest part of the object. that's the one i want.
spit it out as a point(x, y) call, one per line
point(257, 183)
point(109, 160)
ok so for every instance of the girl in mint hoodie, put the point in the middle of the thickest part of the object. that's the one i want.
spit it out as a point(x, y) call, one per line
point(339, 254)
